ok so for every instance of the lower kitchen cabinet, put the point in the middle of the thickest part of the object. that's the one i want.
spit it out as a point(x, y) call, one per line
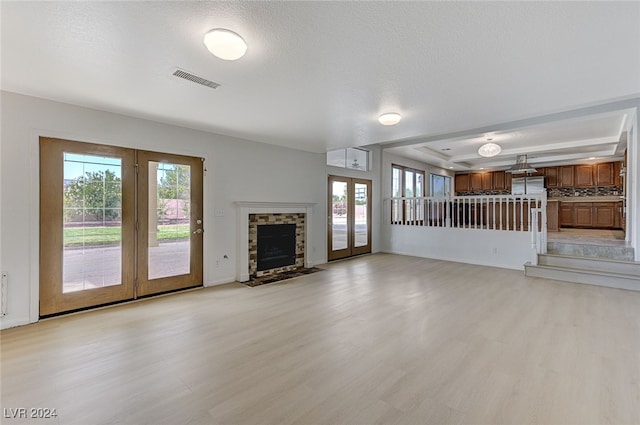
point(604, 214)
point(566, 214)
point(595, 215)
point(552, 216)
point(583, 214)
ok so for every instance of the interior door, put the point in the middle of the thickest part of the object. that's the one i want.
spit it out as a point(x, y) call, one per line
point(86, 225)
point(349, 217)
point(170, 227)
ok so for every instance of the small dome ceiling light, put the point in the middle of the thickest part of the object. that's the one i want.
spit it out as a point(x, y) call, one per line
point(391, 118)
point(225, 44)
point(489, 149)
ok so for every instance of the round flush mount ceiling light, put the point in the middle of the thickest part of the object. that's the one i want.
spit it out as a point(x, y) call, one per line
point(225, 44)
point(391, 118)
point(489, 149)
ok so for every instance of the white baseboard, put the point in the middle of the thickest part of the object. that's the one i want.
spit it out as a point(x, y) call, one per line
point(458, 260)
point(6, 323)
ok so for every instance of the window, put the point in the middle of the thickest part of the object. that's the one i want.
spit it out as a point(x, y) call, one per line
point(440, 186)
point(407, 183)
point(352, 158)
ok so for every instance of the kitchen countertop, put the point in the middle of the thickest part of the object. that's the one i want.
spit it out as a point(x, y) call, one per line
point(611, 198)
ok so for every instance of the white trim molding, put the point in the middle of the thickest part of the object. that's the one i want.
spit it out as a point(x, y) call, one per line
point(246, 208)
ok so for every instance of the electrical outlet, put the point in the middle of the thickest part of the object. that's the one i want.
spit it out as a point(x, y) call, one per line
point(217, 263)
point(495, 250)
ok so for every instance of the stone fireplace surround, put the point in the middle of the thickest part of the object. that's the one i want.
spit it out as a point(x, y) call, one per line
point(245, 209)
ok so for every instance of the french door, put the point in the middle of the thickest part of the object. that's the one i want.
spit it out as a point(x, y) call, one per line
point(116, 224)
point(349, 217)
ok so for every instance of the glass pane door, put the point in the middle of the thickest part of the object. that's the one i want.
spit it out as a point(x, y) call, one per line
point(91, 198)
point(349, 217)
point(338, 217)
point(361, 219)
point(86, 225)
point(170, 222)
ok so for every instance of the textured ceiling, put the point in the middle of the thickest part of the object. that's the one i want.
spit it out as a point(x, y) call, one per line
point(317, 74)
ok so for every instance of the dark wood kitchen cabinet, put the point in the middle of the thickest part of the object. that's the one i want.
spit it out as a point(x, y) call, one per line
point(566, 214)
point(476, 181)
point(461, 182)
point(583, 175)
point(604, 174)
point(551, 177)
point(600, 215)
point(566, 176)
point(604, 214)
point(617, 178)
point(487, 181)
point(553, 216)
point(582, 214)
point(499, 180)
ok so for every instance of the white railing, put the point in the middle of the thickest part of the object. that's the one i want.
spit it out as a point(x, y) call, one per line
point(515, 213)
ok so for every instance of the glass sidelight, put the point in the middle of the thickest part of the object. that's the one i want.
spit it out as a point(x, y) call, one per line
point(349, 217)
point(91, 251)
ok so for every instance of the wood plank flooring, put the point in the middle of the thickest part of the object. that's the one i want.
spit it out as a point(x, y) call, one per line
point(381, 339)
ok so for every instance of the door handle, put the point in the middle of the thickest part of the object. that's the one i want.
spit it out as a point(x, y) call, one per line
point(198, 231)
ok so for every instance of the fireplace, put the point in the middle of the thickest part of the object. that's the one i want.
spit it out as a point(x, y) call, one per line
point(253, 215)
point(283, 243)
point(276, 246)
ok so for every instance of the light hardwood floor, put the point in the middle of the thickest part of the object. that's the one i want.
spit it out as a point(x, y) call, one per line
point(381, 339)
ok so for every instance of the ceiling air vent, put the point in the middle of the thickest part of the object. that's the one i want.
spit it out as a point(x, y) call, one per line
point(194, 78)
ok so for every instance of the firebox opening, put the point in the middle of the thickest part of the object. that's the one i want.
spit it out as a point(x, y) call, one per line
point(276, 246)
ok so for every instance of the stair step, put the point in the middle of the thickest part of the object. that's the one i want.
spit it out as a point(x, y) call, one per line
point(589, 263)
point(614, 252)
point(590, 277)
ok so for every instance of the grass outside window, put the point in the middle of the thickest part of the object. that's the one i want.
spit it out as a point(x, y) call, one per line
point(104, 236)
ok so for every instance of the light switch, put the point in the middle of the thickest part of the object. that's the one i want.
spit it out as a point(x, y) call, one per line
point(219, 213)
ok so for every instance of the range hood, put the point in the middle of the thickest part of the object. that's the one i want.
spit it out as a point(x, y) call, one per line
point(521, 166)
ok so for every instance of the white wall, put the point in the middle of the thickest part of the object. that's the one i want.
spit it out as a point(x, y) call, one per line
point(504, 249)
point(633, 184)
point(237, 170)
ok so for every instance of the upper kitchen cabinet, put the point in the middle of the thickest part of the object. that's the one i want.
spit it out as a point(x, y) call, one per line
point(617, 178)
point(499, 180)
point(476, 181)
point(461, 182)
point(487, 181)
point(583, 175)
point(604, 174)
point(551, 175)
point(566, 176)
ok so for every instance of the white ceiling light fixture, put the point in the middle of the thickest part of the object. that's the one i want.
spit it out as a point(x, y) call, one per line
point(489, 149)
point(391, 118)
point(225, 44)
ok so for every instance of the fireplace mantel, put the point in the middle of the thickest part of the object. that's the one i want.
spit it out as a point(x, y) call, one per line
point(246, 208)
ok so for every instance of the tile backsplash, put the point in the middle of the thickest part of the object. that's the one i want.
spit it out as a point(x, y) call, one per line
point(558, 192)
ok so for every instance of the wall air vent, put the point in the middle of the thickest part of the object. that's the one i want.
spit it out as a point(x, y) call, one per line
point(194, 78)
